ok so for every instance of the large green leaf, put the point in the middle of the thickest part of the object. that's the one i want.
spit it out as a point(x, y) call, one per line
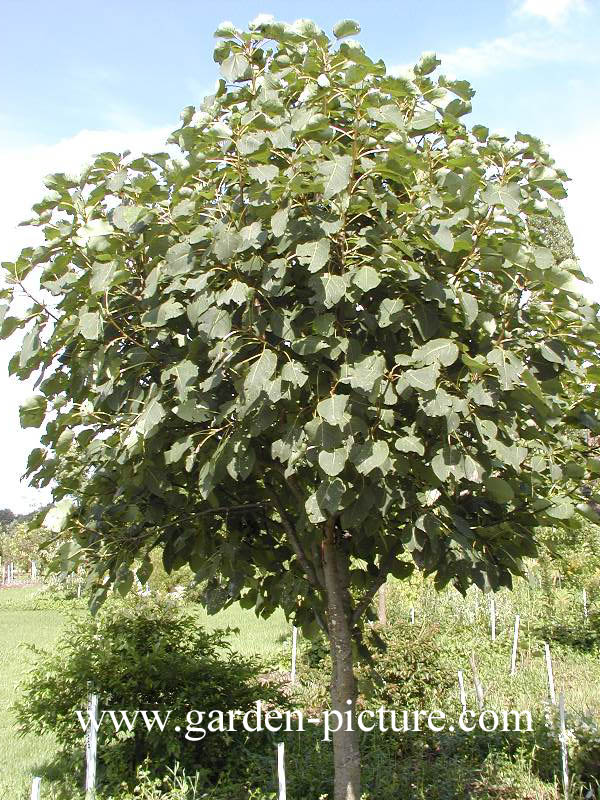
point(130, 218)
point(336, 174)
point(314, 254)
point(366, 278)
point(507, 195)
point(443, 351)
point(259, 374)
point(160, 315)
point(333, 409)
point(500, 489)
point(508, 367)
point(179, 259)
point(150, 417)
point(345, 27)
point(295, 373)
point(390, 311)
point(424, 379)
point(263, 172)
point(332, 461)
point(369, 456)
point(57, 517)
point(410, 444)
point(185, 374)
point(330, 288)
point(103, 276)
point(32, 412)
point(236, 67)
point(91, 325)
point(562, 508)
point(442, 236)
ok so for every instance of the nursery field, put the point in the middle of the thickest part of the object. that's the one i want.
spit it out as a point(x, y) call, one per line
point(447, 631)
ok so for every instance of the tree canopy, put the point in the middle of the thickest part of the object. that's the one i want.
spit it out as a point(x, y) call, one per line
point(323, 344)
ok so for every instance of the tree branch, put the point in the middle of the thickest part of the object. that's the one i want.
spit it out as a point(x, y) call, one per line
point(293, 539)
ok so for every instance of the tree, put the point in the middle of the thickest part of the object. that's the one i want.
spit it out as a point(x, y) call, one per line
point(323, 347)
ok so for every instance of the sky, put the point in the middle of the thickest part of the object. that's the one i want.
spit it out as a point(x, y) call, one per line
point(80, 78)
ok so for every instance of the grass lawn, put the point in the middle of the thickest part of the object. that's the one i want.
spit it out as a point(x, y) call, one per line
point(262, 637)
point(21, 623)
point(24, 621)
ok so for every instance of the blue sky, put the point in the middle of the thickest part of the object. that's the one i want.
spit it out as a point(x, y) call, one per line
point(135, 65)
point(84, 77)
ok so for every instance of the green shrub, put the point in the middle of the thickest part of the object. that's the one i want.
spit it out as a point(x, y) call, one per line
point(149, 655)
point(407, 673)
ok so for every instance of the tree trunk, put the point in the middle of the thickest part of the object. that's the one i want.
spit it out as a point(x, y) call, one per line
point(381, 606)
point(346, 755)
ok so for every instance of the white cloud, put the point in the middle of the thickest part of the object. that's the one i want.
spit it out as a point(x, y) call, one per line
point(513, 52)
point(22, 169)
point(573, 154)
point(553, 11)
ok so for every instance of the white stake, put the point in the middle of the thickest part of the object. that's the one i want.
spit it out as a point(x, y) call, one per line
point(585, 607)
point(294, 647)
point(90, 748)
point(551, 691)
point(493, 618)
point(477, 683)
point(281, 769)
point(513, 663)
point(35, 789)
point(563, 744)
point(461, 690)
point(412, 616)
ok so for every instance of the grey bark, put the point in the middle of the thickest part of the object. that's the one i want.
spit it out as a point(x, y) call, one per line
point(346, 755)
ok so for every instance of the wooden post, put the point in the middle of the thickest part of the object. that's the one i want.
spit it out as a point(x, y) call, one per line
point(563, 744)
point(493, 618)
point(78, 589)
point(281, 770)
point(513, 662)
point(294, 647)
point(35, 789)
point(461, 690)
point(91, 741)
point(551, 691)
point(412, 615)
point(477, 682)
point(585, 606)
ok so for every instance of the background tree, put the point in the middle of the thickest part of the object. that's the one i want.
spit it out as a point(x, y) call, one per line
point(324, 346)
